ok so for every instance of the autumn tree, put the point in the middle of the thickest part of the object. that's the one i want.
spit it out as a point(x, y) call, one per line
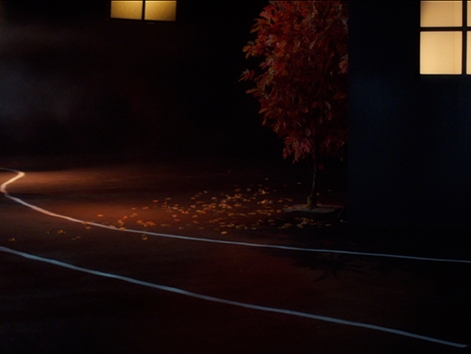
point(301, 82)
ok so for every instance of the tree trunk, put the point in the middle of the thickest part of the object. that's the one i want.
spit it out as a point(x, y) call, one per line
point(312, 198)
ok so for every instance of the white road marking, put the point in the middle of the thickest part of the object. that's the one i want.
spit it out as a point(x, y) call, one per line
point(3, 189)
point(233, 303)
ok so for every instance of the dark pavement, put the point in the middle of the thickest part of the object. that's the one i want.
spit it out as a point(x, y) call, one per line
point(46, 308)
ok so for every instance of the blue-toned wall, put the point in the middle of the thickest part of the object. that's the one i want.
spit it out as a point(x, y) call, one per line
point(410, 142)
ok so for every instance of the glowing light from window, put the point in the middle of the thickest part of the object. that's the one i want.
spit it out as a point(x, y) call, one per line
point(130, 10)
point(441, 38)
point(440, 52)
point(144, 10)
point(161, 10)
point(468, 56)
point(441, 13)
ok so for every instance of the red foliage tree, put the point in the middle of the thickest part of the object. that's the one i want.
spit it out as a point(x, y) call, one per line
point(302, 81)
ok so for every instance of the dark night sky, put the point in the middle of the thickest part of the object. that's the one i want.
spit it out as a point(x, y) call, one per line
point(71, 77)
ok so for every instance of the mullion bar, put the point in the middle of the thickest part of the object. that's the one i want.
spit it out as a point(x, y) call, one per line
point(143, 10)
point(441, 29)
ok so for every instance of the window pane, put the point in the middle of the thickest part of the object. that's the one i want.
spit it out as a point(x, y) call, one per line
point(468, 55)
point(131, 10)
point(441, 13)
point(440, 52)
point(161, 10)
point(469, 13)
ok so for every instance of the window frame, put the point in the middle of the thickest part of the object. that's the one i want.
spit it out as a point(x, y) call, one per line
point(464, 29)
point(143, 13)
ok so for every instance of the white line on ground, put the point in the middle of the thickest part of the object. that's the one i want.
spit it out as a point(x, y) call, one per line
point(233, 303)
point(3, 189)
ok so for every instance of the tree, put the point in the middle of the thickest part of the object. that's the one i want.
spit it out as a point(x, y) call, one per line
point(302, 80)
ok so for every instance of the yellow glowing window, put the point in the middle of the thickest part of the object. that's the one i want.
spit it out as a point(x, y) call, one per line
point(445, 29)
point(441, 13)
point(441, 52)
point(144, 10)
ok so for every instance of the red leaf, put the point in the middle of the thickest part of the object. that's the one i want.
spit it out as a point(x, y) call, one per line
point(302, 86)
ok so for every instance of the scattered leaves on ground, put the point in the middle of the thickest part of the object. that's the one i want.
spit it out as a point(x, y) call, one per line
point(244, 208)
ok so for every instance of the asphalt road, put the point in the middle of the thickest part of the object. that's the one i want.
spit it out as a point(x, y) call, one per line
point(185, 263)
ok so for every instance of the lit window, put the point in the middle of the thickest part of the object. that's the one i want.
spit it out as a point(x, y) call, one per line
point(445, 35)
point(144, 10)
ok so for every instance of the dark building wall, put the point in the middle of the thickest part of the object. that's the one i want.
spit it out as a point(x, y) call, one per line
point(71, 79)
point(410, 142)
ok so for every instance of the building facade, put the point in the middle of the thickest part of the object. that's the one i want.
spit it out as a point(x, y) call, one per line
point(410, 142)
